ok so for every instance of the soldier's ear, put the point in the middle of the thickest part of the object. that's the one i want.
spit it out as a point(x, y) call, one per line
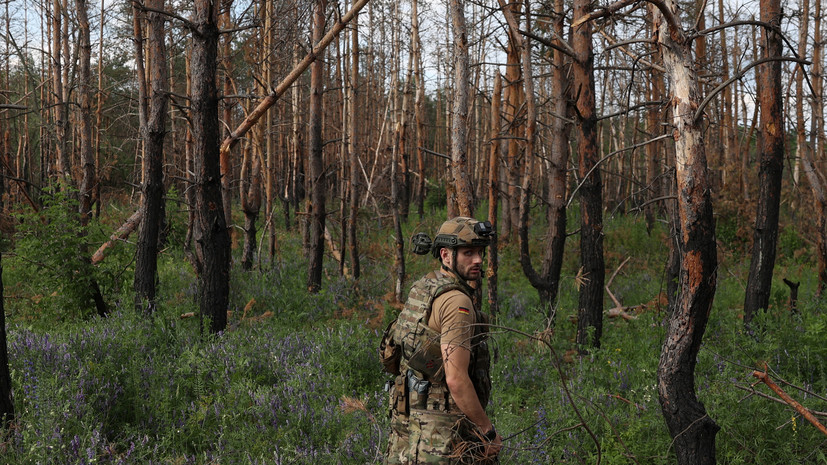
point(445, 256)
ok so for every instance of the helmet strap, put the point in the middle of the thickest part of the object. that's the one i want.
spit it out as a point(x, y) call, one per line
point(453, 270)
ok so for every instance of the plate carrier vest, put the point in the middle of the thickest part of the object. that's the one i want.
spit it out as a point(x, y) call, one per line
point(416, 338)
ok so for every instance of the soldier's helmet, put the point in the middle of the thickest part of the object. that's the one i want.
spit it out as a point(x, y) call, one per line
point(462, 232)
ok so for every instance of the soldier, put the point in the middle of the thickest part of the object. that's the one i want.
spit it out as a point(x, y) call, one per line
point(438, 398)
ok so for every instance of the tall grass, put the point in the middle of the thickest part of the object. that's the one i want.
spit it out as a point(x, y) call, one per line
point(295, 380)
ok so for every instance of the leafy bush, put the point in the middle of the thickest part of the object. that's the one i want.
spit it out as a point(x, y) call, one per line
point(51, 261)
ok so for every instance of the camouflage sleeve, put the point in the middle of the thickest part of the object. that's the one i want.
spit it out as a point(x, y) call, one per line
point(453, 316)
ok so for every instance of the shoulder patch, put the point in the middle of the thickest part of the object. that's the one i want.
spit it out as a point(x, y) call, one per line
point(464, 310)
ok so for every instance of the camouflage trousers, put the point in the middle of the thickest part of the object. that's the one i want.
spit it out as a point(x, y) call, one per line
point(434, 437)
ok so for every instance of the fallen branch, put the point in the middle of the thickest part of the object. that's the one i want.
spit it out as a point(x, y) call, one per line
point(751, 390)
point(623, 399)
point(120, 234)
point(762, 375)
point(619, 309)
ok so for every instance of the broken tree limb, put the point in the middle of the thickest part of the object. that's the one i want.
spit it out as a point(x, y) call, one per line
point(120, 234)
point(752, 392)
point(793, 294)
point(762, 375)
point(285, 84)
point(619, 309)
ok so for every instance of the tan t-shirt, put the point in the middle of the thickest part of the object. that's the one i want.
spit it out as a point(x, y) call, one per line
point(453, 316)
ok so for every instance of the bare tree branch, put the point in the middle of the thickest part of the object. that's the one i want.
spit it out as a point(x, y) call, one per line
point(737, 76)
point(561, 45)
point(625, 149)
point(141, 6)
point(271, 99)
point(602, 12)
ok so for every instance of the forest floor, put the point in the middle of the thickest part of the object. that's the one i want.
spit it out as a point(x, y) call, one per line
point(295, 378)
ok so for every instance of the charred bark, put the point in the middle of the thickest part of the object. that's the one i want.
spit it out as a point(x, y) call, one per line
point(153, 134)
point(211, 235)
point(558, 168)
point(419, 109)
point(818, 186)
point(459, 124)
point(353, 147)
point(821, 246)
point(546, 282)
point(399, 243)
point(691, 428)
point(61, 107)
point(250, 203)
point(494, 195)
point(227, 116)
point(765, 235)
point(87, 156)
point(514, 101)
point(653, 149)
point(590, 313)
point(316, 160)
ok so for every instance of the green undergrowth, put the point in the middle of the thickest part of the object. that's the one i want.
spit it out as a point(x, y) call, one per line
point(295, 380)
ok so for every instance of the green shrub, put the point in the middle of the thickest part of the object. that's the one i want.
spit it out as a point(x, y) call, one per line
point(51, 259)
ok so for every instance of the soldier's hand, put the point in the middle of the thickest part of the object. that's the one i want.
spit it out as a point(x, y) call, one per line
point(492, 449)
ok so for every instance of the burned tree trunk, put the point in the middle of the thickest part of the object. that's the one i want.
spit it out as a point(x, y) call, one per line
point(250, 194)
point(800, 126)
point(558, 165)
point(419, 109)
point(494, 194)
point(818, 185)
point(459, 124)
point(153, 134)
point(316, 160)
point(61, 106)
point(653, 149)
point(765, 235)
point(227, 111)
point(353, 147)
point(546, 282)
point(689, 424)
point(514, 100)
point(211, 235)
point(590, 313)
point(87, 156)
point(87, 159)
point(399, 243)
point(692, 430)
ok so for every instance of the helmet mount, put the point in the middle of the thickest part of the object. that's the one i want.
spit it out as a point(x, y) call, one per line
point(453, 234)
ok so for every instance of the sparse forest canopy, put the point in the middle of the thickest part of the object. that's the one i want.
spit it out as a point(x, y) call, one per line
point(206, 210)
